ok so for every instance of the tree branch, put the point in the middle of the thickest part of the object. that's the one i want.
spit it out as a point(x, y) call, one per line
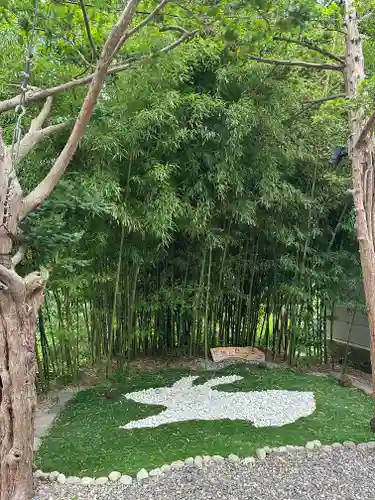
point(37, 123)
point(88, 30)
point(176, 43)
point(9, 280)
point(325, 99)
point(43, 94)
point(311, 46)
point(366, 131)
point(18, 256)
point(32, 139)
point(303, 64)
point(139, 26)
point(181, 30)
point(36, 133)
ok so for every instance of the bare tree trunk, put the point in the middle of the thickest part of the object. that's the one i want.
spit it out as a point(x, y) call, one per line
point(362, 148)
point(17, 402)
point(20, 299)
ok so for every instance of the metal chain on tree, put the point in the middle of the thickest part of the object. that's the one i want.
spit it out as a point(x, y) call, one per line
point(20, 108)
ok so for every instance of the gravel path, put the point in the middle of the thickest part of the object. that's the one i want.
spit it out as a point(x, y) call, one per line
point(337, 474)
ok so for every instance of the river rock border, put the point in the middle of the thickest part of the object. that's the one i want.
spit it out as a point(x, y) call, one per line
point(198, 461)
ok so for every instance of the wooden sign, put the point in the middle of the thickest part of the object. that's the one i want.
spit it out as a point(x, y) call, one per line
point(246, 353)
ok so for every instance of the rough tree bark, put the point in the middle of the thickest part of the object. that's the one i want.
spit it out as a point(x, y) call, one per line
point(362, 149)
point(20, 298)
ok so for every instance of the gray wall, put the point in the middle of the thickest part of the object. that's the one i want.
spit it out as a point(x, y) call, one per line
point(360, 335)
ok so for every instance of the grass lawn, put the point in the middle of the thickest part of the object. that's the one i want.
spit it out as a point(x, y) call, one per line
point(86, 438)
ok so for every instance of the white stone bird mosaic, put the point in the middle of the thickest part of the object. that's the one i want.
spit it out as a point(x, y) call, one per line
point(184, 401)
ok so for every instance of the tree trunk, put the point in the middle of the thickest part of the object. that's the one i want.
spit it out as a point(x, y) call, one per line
point(17, 398)
point(20, 299)
point(363, 154)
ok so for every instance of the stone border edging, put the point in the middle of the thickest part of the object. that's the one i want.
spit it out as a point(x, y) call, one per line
point(198, 461)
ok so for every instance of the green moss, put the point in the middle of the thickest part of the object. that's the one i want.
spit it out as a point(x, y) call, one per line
point(86, 438)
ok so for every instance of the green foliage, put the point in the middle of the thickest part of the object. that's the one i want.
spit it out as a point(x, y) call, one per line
point(196, 150)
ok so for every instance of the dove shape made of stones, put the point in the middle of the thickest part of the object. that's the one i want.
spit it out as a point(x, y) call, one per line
point(184, 401)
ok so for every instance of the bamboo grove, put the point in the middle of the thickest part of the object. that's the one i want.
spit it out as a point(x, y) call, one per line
point(202, 207)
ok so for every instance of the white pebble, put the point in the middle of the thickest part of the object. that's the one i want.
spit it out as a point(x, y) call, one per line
point(267, 449)
point(218, 459)
point(326, 447)
point(233, 458)
point(281, 449)
point(38, 473)
point(101, 481)
point(189, 461)
point(126, 480)
point(155, 472)
point(53, 475)
point(178, 464)
point(310, 445)
point(317, 443)
point(248, 461)
point(261, 454)
point(371, 445)
point(61, 479)
point(336, 445)
point(114, 476)
point(349, 444)
point(73, 480)
point(87, 481)
point(207, 459)
point(185, 401)
point(44, 476)
point(165, 468)
point(142, 474)
point(362, 446)
point(198, 461)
